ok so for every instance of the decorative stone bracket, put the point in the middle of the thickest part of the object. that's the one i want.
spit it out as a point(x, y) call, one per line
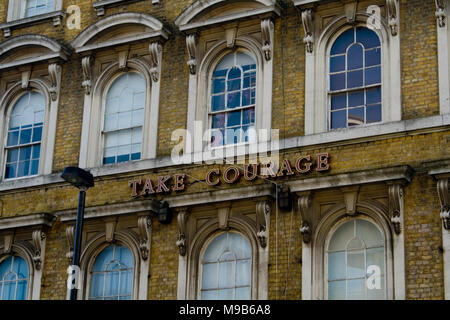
point(38, 237)
point(392, 15)
point(182, 218)
point(86, 65)
point(441, 13)
point(308, 27)
point(191, 43)
point(262, 221)
point(267, 37)
point(395, 205)
point(144, 225)
point(444, 198)
point(304, 202)
point(155, 50)
point(54, 71)
point(350, 199)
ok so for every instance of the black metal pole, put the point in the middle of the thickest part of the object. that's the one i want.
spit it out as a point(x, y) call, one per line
point(78, 233)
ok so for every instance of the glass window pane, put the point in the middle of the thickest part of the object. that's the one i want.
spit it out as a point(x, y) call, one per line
point(234, 99)
point(356, 265)
point(233, 85)
point(235, 73)
point(355, 289)
point(10, 171)
point(226, 294)
point(340, 237)
point(25, 153)
point(355, 57)
point(369, 233)
point(233, 118)
point(13, 155)
point(338, 101)
point(13, 138)
point(336, 290)
point(338, 119)
point(374, 113)
point(243, 272)
point(355, 79)
point(337, 64)
point(37, 134)
point(218, 120)
point(227, 273)
point(355, 116)
point(373, 75)
point(218, 103)
point(373, 57)
point(337, 81)
point(209, 295)
point(209, 276)
point(356, 99)
point(248, 116)
point(34, 167)
point(373, 96)
point(343, 41)
point(25, 136)
point(336, 266)
point(218, 85)
point(125, 120)
point(243, 293)
point(367, 37)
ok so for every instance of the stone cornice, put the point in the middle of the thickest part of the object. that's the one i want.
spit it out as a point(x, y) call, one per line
point(40, 219)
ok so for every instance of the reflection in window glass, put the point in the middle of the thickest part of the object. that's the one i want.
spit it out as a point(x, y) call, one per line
point(356, 262)
point(355, 79)
point(124, 118)
point(227, 268)
point(35, 7)
point(23, 146)
point(112, 274)
point(233, 89)
point(13, 278)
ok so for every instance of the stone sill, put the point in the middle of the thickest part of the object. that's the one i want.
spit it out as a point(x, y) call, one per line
point(341, 137)
point(55, 16)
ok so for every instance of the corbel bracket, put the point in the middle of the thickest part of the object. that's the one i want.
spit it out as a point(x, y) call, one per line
point(182, 218)
point(70, 236)
point(308, 27)
point(392, 15)
point(144, 225)
point(441, 13)
point(38, 237)
point(304, 202)
point(267, 37)
point(26, 74)
point(444, 198)
point(350, 198)
point(262, 221)
point(86, 65)
point(155, 49)
point(395, 205)
point(54, 72)
point(191, 43)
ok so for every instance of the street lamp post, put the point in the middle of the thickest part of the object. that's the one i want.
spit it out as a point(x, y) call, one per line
point(82, 180)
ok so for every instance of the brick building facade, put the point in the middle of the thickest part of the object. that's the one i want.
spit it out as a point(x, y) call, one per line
point(358, 207)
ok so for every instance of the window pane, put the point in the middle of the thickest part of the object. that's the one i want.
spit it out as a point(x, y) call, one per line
point(356, 265)
point(248, 116)
point(355, 116)
point(340, 237)
point(367, 37)
point(338, 101)
point(337, 64)
point(373, 95)
point(233, 85)
point(218, 103)
point(374, 113)
point(226, 294)
point(355, 57)
point(338, 119)
point(343, 41)
point(218, 120)
point(355, 289)
point(243, 293)
point(243, 273)
point(209, 276)
point(369, 233)
point(373, 57)
point(209, 295)
point(227, 273)
point(218, 85)
point(13, 138)
point(373, 75)
point(336, 266)
point(13, 155)
point(355, 79)
point(336, 290)
point(25, 136)
point(234, 99)
point(337, 82)
point(37, 134)
point(356, 99)
point(233, 118)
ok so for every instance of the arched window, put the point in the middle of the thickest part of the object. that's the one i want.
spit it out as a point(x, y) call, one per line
point(13, 278)
point(227, 268)
point(355, 79)
point(356, 262)
point(23, 148)
point(112, 274)
point(35, 7)
point(233, 97)
point(124, 118)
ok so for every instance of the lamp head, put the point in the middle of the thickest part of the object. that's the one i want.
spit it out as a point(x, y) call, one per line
point(78, 177)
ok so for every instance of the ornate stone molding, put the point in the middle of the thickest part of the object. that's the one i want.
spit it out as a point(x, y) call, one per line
point(191, 43)
point(38, 237)
point(26, 79)
point(392, 15)
point(267, 37)
point(304, 202)
point(182, 218)
point(155, 49)
point(70, 236)
point(86, 65)
point(441, 13)
point(308, 27)
point(262, 221)
point(54, 72)
point(144, 225)
point(444, 198)
point(395, 203)
point(123, 59)
point(350, 199)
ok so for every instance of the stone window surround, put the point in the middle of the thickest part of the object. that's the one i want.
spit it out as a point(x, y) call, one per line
point(33, 252)
point(96, 85)
point(15, 17)
point(49, 89)
point(101, 5)
point(443, 49)
point(318, 45)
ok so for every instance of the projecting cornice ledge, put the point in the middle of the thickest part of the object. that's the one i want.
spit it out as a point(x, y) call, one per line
point(399, 174)
point(40, 219)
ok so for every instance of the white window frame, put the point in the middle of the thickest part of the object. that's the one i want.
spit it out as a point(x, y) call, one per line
point(443, 49)
point(317, 73)
point(16, 9)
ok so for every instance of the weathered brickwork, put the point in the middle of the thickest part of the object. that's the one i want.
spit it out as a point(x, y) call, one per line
point(420, 98)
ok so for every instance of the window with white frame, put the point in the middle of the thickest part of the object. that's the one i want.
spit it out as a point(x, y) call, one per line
point(355, 262)
point(355, 79)
point(226, 268)
point(111, 277)
point(24, 136)
point(124, 118)
point(36, 7)
point(233, 97)
point(14, 277)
